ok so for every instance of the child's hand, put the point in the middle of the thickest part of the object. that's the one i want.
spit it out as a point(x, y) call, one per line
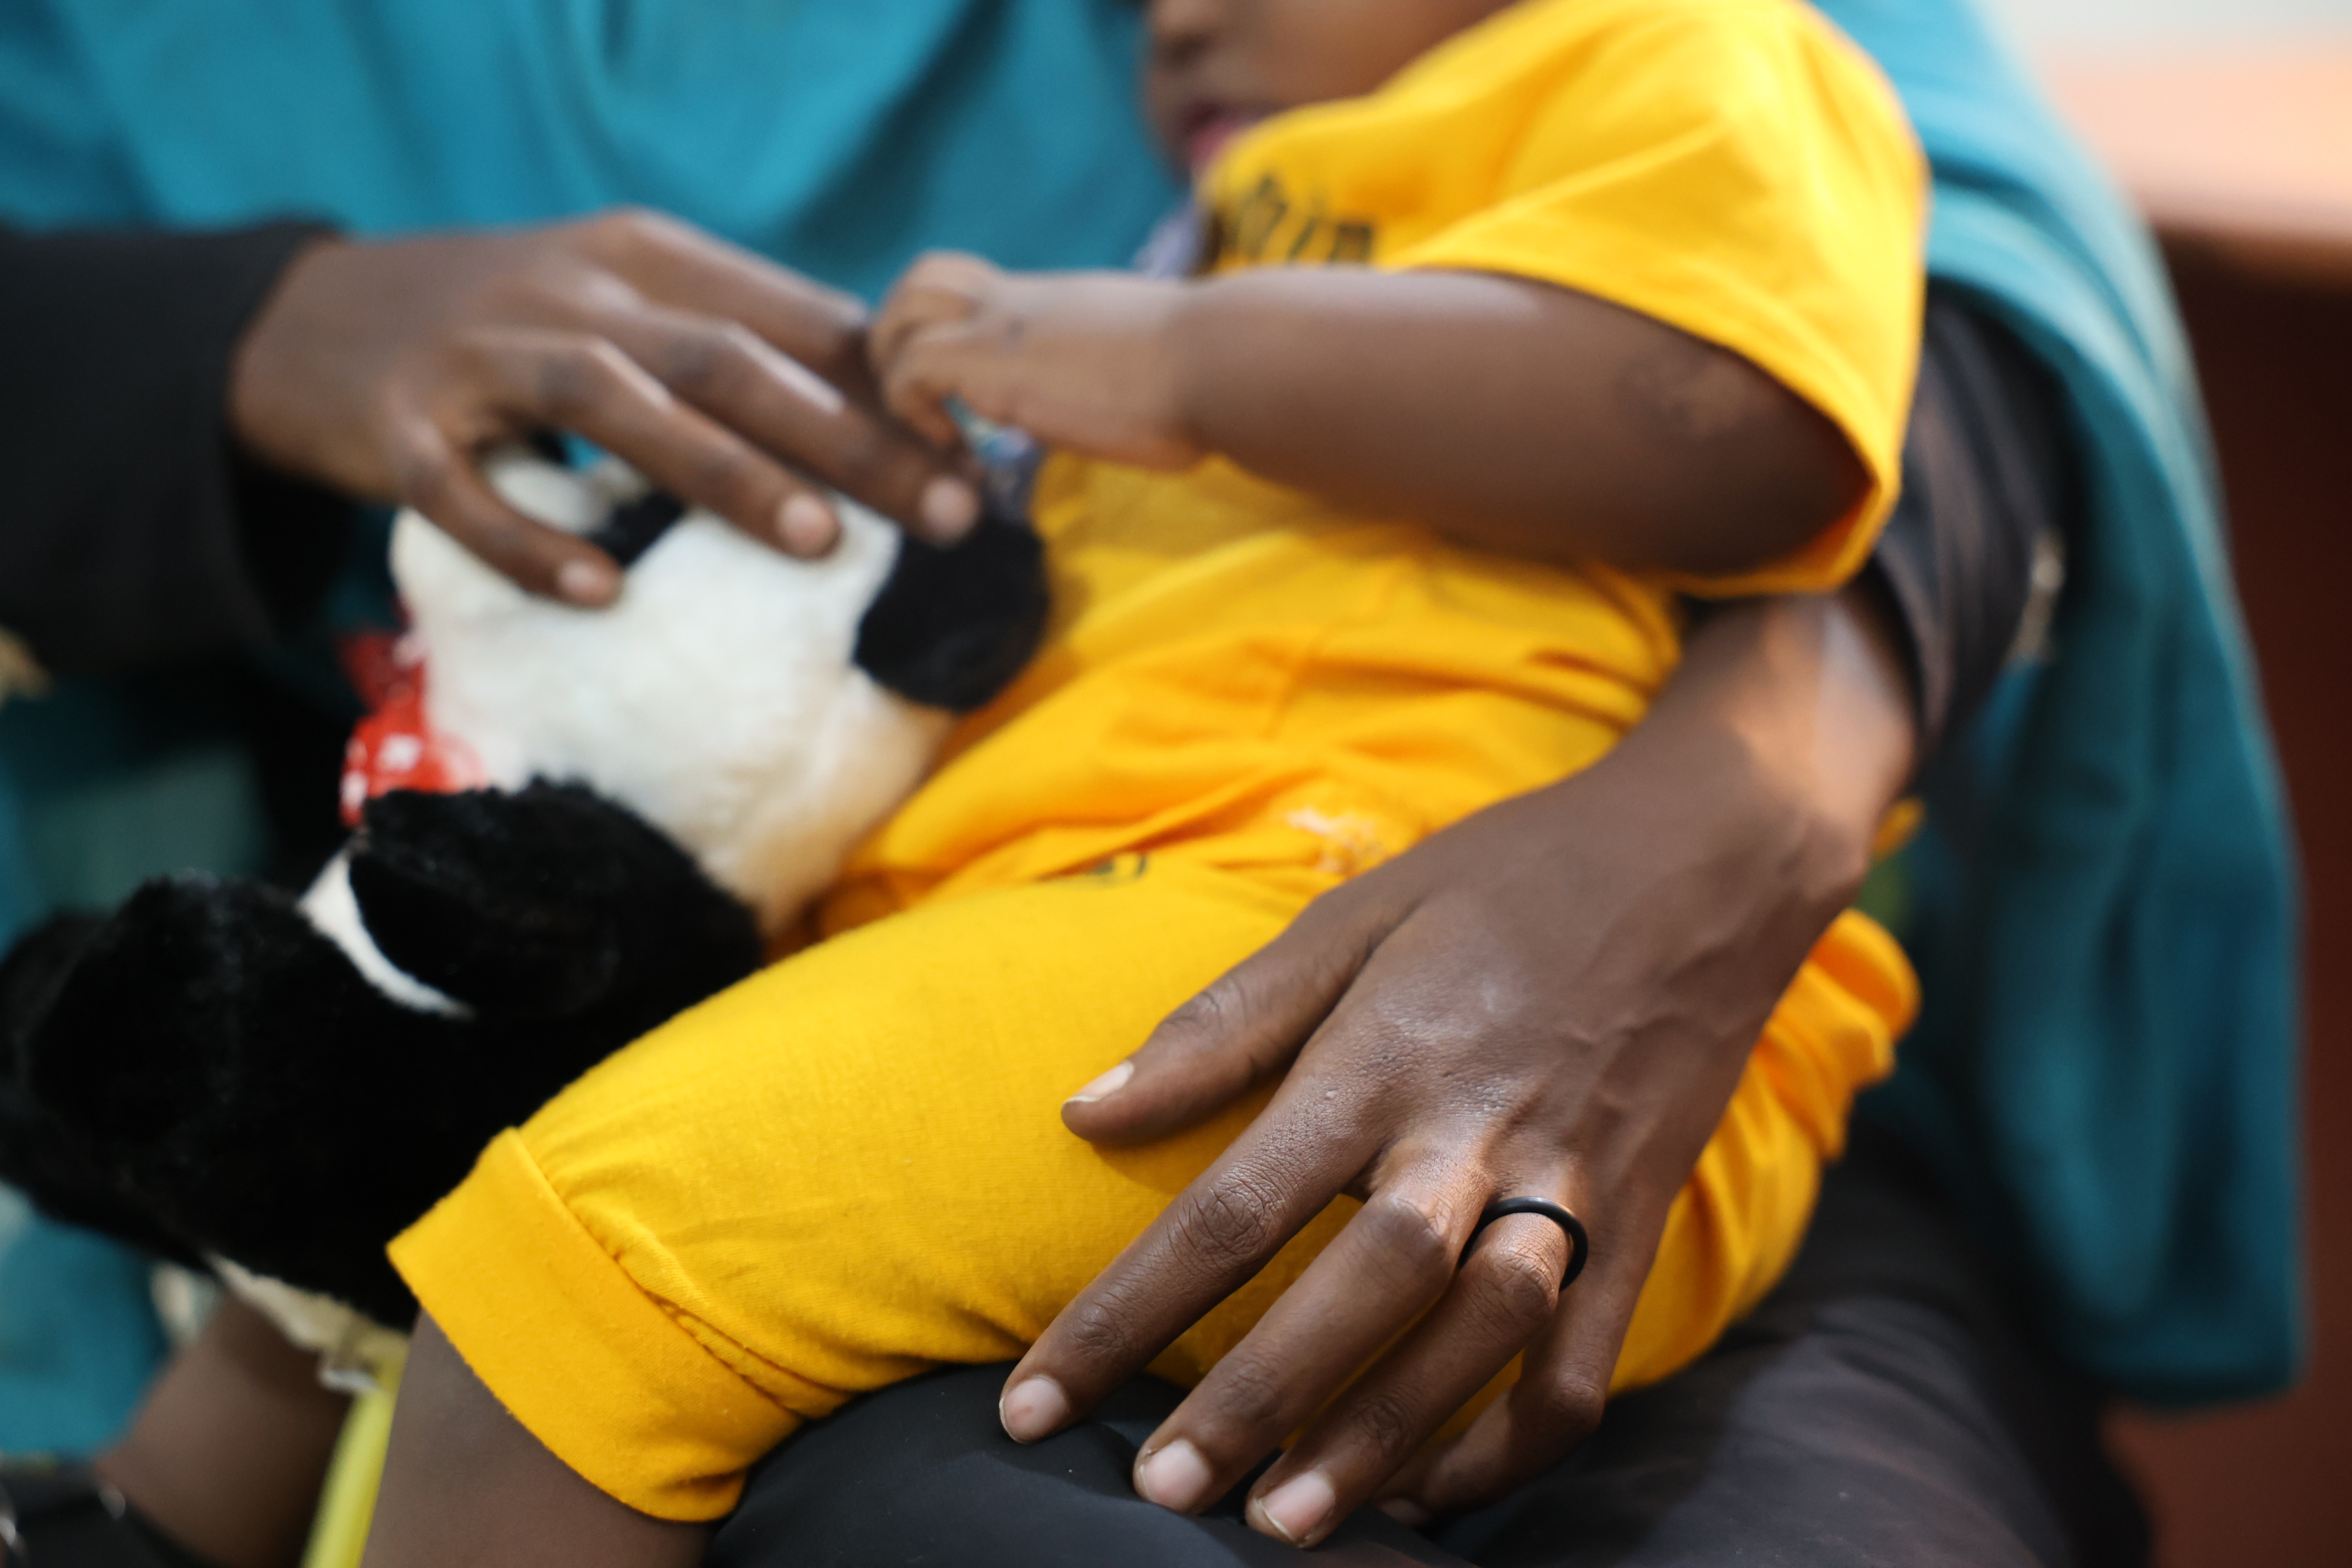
point(1080, 360)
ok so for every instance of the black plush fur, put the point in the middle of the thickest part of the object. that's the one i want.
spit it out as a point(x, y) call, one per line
point(152, 1056)
point(57, 1169)
point(635, 527)
point(952, 627)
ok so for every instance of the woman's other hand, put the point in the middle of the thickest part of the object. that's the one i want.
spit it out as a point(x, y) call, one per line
point(384, 370)
point(1080, 360)
point(1555, 998)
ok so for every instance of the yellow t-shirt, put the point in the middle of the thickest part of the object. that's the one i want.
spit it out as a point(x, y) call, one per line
point(1242, 674)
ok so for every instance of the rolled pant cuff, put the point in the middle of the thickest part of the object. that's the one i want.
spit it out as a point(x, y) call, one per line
point(600, 1372)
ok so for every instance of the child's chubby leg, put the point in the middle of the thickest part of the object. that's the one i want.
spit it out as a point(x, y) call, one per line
point(466, 1485)
point(852, 1167)
point(841, 1172)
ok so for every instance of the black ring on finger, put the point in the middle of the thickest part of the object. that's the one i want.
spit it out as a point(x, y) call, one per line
point(1579, 1246)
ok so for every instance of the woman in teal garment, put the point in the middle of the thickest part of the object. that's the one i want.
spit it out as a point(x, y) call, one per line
point(2119, 1120)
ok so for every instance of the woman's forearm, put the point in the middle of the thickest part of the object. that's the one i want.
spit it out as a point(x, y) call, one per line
point(1799, 710)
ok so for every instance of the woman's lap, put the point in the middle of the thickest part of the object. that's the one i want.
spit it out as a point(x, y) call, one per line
point(1882, 1406)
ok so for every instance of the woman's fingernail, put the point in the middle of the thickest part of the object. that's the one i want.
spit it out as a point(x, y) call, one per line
point(587, 582)
point(1032, 1408)
point(1296, 1508)
point(1405, 1511)
point(806, 526)
point(1103, 1088)
point(950, 508)
point(1175, 1476)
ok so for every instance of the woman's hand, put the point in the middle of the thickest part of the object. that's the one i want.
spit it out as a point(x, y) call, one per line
point(384, 370)
point(1553, 998)
point(1080, 360)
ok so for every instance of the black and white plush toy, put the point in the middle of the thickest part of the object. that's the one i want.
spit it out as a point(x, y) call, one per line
point(273, 1088)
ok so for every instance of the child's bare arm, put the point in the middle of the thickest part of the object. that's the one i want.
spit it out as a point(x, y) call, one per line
point(1513, 415)
point(465, 1486)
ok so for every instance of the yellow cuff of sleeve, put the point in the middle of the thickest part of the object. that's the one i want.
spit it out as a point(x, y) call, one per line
point(593, 1367)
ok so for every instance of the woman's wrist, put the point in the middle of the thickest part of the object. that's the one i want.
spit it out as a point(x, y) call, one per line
point(1836, 720)
point(1792, 722)
point(256, 400)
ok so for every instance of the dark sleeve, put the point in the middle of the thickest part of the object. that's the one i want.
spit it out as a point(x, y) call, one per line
point(133, 532)
point(1986, 482)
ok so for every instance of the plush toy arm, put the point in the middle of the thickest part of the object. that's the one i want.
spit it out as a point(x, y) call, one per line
point(219, 1069)
point(548, 904)
point(41, 1152)
point(208, 1074)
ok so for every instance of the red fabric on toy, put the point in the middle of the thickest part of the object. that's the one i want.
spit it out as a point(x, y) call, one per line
point(396, 746)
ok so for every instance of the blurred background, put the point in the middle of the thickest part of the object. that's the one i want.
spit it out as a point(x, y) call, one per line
point(2231, 123)
point(2106, 25)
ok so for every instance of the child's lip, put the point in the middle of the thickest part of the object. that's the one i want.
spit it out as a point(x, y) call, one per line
point(1210, 126)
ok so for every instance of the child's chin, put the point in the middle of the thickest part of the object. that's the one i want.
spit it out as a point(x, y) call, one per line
point(1211, 136)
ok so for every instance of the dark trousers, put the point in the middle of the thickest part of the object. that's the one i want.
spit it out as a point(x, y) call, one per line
point(1883, 1405)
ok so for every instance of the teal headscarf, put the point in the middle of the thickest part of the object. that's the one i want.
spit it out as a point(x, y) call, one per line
point(2106, 929)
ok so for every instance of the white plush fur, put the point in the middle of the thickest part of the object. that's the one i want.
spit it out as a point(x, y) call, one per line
point(716, 699)
point(333, 910)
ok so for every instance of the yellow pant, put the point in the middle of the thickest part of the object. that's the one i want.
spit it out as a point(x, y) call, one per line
point(852, 1167)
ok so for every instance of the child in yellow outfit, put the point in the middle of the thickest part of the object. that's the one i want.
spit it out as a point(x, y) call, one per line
point(1280, 656)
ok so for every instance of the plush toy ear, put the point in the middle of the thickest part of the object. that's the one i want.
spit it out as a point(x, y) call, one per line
point(546, 903)
point(952, 627)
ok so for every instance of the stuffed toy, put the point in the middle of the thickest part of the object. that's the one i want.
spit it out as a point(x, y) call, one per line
point(569, 826)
